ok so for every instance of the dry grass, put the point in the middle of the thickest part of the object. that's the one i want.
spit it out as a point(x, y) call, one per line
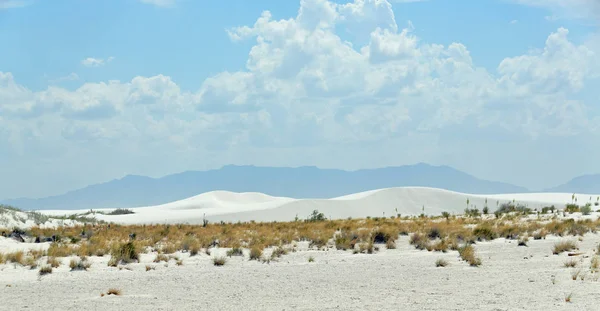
point(53, 262)
point(358, 235)
point(114, 291)
point(467, 253)
point(564, 246)
point(571, 263)
point(46, 269)
point(441, 262)
point(219, 261)
point(79, 264)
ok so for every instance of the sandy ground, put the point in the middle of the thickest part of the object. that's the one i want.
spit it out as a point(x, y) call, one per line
point(511, 278)
point(226, 206)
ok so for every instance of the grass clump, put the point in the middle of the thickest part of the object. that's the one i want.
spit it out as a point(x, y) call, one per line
point(255, 253)
point(114, 291)
point(236, 251)
point(467, 253)
point(121, 211)
point(123, 253)
point(161, 257)
point(564, 246)
point(219, 261)
point(441, 262)
point(311, 259)
point(46, 269)
point(79, 264)
point(419, 240)
point(572, 263)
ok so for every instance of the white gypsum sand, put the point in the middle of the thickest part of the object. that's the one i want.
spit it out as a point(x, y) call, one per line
point(229, 206)
point(510, 278)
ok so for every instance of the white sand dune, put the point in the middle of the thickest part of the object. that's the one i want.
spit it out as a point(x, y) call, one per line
point(231, 206)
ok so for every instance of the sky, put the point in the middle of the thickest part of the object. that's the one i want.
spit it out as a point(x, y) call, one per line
point(90, 91)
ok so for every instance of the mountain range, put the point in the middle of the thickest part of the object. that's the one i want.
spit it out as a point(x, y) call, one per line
point(299, 182)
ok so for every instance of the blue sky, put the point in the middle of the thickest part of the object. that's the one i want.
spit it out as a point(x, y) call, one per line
point(94, 90)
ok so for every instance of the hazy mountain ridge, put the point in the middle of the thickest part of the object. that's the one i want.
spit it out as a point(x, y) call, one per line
point(300, 182)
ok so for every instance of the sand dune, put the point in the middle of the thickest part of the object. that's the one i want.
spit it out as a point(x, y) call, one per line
point(230, 206)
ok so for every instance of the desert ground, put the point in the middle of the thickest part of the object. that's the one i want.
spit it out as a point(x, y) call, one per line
point(518, 259)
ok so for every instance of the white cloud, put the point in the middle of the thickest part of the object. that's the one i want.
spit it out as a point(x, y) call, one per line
point(514, 22)
point(11, 4)
point(96, 62)
point(307, 95)
point(159, 3)
point(581, 9)
point(70, 77)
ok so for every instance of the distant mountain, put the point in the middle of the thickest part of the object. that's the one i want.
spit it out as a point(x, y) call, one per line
point(588, 184)
point(301, 182)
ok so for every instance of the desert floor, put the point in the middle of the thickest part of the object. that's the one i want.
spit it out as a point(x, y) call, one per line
point(511, 277)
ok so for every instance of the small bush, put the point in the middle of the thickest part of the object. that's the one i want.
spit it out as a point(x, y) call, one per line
point(564, 246)
point(53, 262)
point(441, 262)
point(255, 253)
point(278, 252)
point(236, 251)
point(419, 240)
point(124, 253)
point(46, 269)
point(586, 209)
point(571, 208)
point(571, 263)
point(161, 257)
point(484, 232)
point(523, 241)
point(390, 244)
point(219, 261)
point(114, 291)
point(467, 253)
point(121, 211)
point(79, 264)
point(311, 259)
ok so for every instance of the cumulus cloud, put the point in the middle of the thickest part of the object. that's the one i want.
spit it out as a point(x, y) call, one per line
point(305, 94)
point(96, 62)
point(580, 9)
point(11, 4)
point(159, 3)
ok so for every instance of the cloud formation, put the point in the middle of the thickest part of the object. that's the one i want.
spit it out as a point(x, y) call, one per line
point(308, 95)
point(96, 62)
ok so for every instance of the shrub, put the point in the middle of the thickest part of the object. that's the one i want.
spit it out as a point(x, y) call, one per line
point(236, 251)
point(121, 211)
point(467, 253)
point(316, 216)
point(434, 233)
point(219, 261)
point(124, 253)
point(255, 253)
point(571, 208)
point(441, 262)
point(586, 209)
point(523, 241)
point(278, 252)
point(79, 264)
point(484, 232)
point(311, 259)
point(419, 240)
point(563, 246)
point(571, 263)
point(160, 257)
point(114, 291)
point(53, 262)
point(390, 244)
point(46, 269)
